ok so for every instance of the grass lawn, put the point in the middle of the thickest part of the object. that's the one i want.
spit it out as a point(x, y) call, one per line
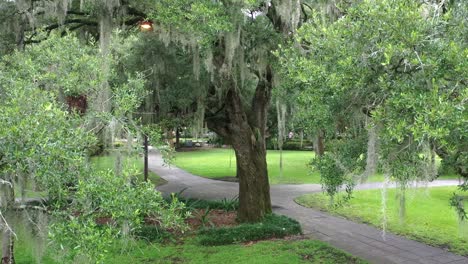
point(108, 163)
point(220, 163)
point(217, 163)
point(429, 216)
point(265, 252)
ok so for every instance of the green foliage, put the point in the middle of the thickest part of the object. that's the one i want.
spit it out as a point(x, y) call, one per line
point(118, 206)
point(296, 145)
point(39, 142)
point(194, 17)
point(129, 95)
point(106, 163)
point(59, 64)
point(273, 226)
point(396, 68)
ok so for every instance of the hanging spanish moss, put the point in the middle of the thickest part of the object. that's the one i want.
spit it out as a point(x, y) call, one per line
point(281, 114)
point(199, 118)
point(209, 66)
point(290, 13)
point(384, 197)
point(372, 153)
point(231, 44)
point(196, 59)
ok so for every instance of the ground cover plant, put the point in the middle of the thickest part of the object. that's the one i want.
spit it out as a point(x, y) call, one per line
point(429, 216)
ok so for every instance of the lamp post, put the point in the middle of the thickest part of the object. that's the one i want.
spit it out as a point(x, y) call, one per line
point(146, 25)
point(145, 145)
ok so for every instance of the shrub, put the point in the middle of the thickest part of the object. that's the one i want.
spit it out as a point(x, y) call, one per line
point(273, 226)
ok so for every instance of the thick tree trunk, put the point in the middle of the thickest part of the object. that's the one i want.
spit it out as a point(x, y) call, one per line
point(245, 129)
point(254, 188)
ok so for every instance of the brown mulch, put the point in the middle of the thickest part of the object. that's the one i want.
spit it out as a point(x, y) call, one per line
point(216, 218)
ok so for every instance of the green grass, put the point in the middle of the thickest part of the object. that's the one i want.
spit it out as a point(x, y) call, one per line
point(429, 216)
point(108, 163)
point(217, 163)
point(265, 252)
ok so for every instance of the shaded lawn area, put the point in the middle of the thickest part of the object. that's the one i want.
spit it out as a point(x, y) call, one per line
point(264, 252)
point(220, 163)
point(108, 163)
point(429, 218)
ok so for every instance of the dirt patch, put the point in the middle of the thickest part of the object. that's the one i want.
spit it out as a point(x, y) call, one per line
point(212, 218)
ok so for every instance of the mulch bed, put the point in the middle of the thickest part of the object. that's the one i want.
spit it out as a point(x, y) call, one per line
point(215, 218)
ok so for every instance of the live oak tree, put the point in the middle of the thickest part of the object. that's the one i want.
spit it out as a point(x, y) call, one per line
point(394, 70)
point(235, 40)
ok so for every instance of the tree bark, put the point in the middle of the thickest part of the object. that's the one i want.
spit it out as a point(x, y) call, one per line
point(318, 144)
point(246, 130)
point(7, 202)
point(7, 247)
point(177, 143)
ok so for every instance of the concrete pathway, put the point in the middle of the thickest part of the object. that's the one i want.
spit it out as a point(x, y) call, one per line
point(360, 240)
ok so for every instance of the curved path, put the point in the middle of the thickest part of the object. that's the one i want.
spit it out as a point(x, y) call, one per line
point(360, 240)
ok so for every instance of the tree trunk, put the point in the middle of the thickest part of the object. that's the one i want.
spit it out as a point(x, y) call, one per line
point(302, 139)
point(177, 144)
point(7, 202)
point(318, 144)
point(7, 247)
point(246, 129)
point(254, 188)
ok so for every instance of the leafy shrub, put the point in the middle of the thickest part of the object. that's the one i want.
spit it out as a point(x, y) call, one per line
point(273, 226)
point(290, 144)
point(296, 145)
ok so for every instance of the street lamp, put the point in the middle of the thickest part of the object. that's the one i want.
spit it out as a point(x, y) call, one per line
point(146, 25)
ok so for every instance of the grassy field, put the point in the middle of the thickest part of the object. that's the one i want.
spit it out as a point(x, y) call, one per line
point(279, 251)
point(220, 163)
point(108, 163)
point(429, 216)
point(216, 163)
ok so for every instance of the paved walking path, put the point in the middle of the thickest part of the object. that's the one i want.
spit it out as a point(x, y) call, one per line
point(360, 240)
